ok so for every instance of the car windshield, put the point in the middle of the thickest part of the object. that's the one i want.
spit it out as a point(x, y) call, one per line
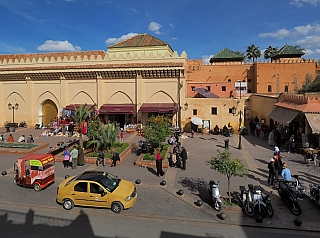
point(109, 181)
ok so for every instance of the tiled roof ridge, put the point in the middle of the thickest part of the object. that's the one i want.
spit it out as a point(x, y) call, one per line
point(287, 50)
point(54, 55)
point(99, 66)
point(227, 53)
point(139, 40)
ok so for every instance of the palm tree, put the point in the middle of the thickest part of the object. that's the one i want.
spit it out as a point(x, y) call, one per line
point(253, 52)
point(105, 137)
point(80, 115)
point(269, 52)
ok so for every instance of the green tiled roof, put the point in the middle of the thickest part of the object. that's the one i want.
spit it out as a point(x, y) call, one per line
point(226, 54)
point(287, 50)
point(140, 40)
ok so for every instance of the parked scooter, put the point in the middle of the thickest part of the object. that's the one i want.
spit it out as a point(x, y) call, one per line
point(254, 203)
point(314, 193)
point(215, 195)
point(23, 124)
point(288, 195)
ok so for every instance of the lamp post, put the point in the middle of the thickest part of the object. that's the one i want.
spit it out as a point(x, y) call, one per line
point(240, 121)
point(13, 108)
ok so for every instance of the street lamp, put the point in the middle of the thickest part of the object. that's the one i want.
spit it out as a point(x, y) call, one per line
point(240, 120)
point(13, 108)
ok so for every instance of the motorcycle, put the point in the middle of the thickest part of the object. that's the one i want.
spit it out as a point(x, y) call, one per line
point(314, 193)
point(254, 203)
point(288, 195)
point(23, 124)
point(215, 195)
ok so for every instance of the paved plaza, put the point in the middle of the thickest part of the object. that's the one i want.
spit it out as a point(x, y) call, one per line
point(159, 201)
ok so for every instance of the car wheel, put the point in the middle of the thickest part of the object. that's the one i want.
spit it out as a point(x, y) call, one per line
point(67, 204)
point(36, 187)
point(116, 207)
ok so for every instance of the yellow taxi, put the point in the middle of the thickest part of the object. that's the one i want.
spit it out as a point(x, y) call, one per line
point(96, 189)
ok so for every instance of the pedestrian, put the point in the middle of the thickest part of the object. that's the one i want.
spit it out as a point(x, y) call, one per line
point(74, 157)
point(276, 150)
point(66, 158)
point(192, 133)
point(256, 120)
point(176, 157)
point(286, 174)
point(291, 143)
point(2, 138)
point(70, 129)
point(100, 159)
point(278, 164)
point(184, 158)
point(171, 140)
point(121, 136)
point(271, 138)
point(272, 172)
point(258, 129)
point(115, 158)
point(159, 164)
point(252, 126)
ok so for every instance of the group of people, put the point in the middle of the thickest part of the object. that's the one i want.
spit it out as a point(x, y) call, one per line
point(178, 157)
point(70, 158)
point(277, 167)
point(22, 138)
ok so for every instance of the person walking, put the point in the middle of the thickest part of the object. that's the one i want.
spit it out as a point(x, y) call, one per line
point(184, 157)
point(159, 164)
point(115, 158)
point(66, 158)
point(192, 133)
point(258, 130)
point(271, 138)
point(121, 136)
point(272, 172)
point(74, 157)
point(291, 141)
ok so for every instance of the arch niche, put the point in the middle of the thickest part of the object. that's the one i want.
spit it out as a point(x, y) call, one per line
point(49, 111)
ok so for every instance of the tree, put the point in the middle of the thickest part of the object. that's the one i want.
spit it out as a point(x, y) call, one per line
point(80, 115)
point(93, 130)
point(227, 166)
point(253, 52)
point(157, 130)
point(311, 85)
point(105, 137)
point(301, 50)
point(269, 52)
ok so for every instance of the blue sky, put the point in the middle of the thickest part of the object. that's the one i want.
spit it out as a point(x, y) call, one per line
point(200, 27)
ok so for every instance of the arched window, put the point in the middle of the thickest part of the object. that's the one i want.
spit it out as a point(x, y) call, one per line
point(229, 80)
point(286, 88)
point(269, 89)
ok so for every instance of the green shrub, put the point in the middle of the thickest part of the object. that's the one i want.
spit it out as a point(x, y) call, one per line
point(108, 154)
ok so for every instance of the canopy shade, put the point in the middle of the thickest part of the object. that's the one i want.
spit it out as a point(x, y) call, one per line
point(283, 115)
point(77, 106)
point(197, 121)
point(117, 109)
point(314, 122)
point(159, 107)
